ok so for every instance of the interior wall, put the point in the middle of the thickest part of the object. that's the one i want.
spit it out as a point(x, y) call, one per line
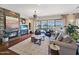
point(70, 19)
point(67, 19)
point(32, 24)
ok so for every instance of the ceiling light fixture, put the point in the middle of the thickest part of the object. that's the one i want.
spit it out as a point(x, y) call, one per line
point(35, 16)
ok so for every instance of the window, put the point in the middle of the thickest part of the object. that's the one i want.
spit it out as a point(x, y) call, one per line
point(44, 24)
point(59, 23)
point(37, 24)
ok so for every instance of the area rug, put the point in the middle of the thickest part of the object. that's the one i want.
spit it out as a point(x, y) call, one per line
point(26, 47)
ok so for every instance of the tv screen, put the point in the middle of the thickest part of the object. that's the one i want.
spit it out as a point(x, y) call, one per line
point(12, 22)
point(23, 27)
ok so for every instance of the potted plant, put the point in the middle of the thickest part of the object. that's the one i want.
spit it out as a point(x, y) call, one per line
point(71, 30)
point(5, 38)
point(75, 36)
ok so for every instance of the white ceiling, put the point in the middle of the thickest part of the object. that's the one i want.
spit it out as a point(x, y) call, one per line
point(27, 10)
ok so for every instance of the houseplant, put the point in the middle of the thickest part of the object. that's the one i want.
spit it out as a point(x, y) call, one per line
point(75, 36)
point(71, 30)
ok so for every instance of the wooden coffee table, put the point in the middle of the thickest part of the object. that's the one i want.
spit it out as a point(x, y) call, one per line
point(54, 49)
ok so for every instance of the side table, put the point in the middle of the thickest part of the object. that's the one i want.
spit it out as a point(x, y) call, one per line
point(54, 49)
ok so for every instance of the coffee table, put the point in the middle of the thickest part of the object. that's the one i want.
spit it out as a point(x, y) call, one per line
point(54, 49)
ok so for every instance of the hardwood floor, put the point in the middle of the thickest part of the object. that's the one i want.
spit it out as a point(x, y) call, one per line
point(4, 46)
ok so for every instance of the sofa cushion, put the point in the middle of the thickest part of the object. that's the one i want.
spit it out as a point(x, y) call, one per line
point(64, 44)
point(67, 39)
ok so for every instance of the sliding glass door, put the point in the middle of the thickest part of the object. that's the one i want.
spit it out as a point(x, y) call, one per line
point(44, 25)
point(48, 24)
point(38, 25)
point(41, 24)
point(51, 24)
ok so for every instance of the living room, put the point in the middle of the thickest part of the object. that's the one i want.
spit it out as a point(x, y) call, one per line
point(39, 29)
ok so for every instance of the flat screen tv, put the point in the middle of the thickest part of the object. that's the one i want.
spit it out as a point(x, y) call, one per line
point(12, 23)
